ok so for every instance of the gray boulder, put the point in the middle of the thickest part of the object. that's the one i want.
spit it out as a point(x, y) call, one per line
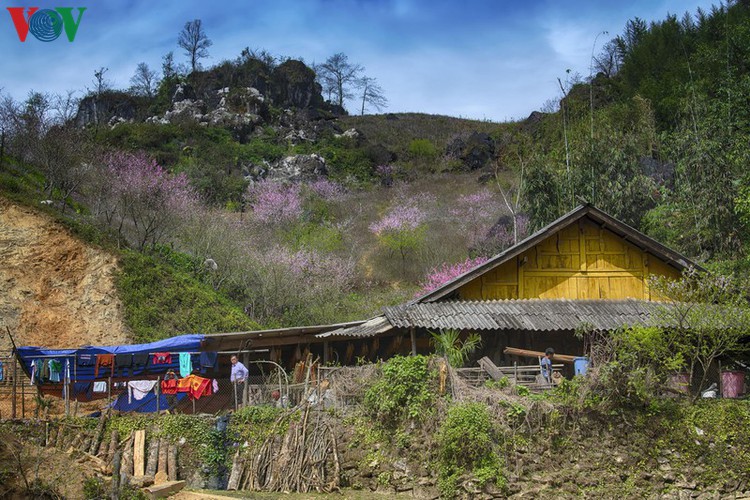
point(298, 168)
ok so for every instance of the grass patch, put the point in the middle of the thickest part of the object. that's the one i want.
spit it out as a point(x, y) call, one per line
point(162, 301)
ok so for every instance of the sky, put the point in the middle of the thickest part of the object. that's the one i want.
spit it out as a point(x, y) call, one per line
point(493, 60)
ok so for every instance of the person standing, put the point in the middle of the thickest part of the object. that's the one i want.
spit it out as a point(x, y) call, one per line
point(546, 365)
point(238, 378)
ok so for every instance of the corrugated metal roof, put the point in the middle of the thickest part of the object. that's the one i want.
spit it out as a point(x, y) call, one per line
point(369, 328)
point(532, 314)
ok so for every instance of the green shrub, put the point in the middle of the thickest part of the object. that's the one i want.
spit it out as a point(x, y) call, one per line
point(252, 424)
point(402, 392)
point(466, 445)
point(498, 384)
point(162, 300)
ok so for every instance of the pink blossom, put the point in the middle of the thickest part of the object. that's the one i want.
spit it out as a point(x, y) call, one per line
point(443, 274)
point(312, 269)
point(399, 218)
point(274, 202)
point(327, 190)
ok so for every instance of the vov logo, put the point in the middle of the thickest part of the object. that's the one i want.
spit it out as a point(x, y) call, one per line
point(47, 24)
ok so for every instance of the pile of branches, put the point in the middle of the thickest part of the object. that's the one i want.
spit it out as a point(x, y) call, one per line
point(303, 459)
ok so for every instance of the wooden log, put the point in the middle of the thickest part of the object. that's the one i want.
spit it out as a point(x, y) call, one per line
point(103, 449)
point(525, 353)
point(126, 469)
point(236, 473)
point(492, 370)
point(96, 439)
point(153, 457)
point(116, 465)
point(139, 453)
point(141, 481)
point(172, 462)
point(77, 441)
point(114, 439)
point(164, 490)
point(161, 478)
point(163, 452)
point(60, 436)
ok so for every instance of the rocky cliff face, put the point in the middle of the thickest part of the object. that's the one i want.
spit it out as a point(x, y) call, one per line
point(55, 291)
point(237, 97)
point(108, 108)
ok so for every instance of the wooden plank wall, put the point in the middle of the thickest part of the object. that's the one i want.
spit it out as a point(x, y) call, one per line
point(582, 261)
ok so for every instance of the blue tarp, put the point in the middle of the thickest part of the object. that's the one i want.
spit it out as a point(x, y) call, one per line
point(145, 405)
point(182, 343)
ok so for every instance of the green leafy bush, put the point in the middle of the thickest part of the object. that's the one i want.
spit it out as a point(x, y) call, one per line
point(403, 392)
point(252, 424)
point(466, 445)
point(162, 301)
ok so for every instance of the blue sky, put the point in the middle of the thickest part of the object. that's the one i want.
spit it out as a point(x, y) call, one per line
point(484, 59)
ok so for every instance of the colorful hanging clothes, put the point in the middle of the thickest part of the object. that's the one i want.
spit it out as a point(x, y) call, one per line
point(36, 371)
point(169, 386)
point(138, 389)
point(195, 386)
point(123, 361)
point(162, 358)
point(186, 364)
point(140, 360)
point(55, 370)
point(44, 373)
point(104, 361)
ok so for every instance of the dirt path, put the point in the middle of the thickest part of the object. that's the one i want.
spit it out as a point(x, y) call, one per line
point(54, 290)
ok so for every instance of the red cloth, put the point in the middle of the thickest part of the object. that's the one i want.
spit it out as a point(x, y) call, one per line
point(169, 387)
point(162, 358)
point(195, 386)
point(104, 361)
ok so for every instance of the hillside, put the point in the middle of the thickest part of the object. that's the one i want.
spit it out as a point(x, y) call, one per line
point(245, 182)
point(55, 290)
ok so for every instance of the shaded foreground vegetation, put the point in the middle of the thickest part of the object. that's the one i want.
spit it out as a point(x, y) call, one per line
point(408, 435)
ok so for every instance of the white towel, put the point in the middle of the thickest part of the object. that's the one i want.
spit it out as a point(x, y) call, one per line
point(139, 388)
point(100, 387)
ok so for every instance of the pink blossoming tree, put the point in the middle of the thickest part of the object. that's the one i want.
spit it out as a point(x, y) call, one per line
point(401, 229)
point(141, 200)
point(275, 202)
point(444, 273)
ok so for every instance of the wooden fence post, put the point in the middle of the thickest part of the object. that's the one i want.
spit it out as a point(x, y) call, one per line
point(15, 381)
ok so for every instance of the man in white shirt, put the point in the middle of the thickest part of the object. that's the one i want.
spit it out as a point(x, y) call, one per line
point(238, 378)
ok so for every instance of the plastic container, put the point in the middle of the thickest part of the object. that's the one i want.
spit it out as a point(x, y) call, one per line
point(580, 365)
point(680, 382)
point(732, 384)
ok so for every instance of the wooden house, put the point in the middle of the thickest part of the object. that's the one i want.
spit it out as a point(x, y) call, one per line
point(586, 268)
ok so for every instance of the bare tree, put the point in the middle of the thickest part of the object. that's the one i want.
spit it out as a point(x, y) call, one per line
point(512, 194)
point(65, 106)
point(144, 81)
point(372, 94)
point(100, 83)
point(194, 41)
point(337, 75)
point(608, 61)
